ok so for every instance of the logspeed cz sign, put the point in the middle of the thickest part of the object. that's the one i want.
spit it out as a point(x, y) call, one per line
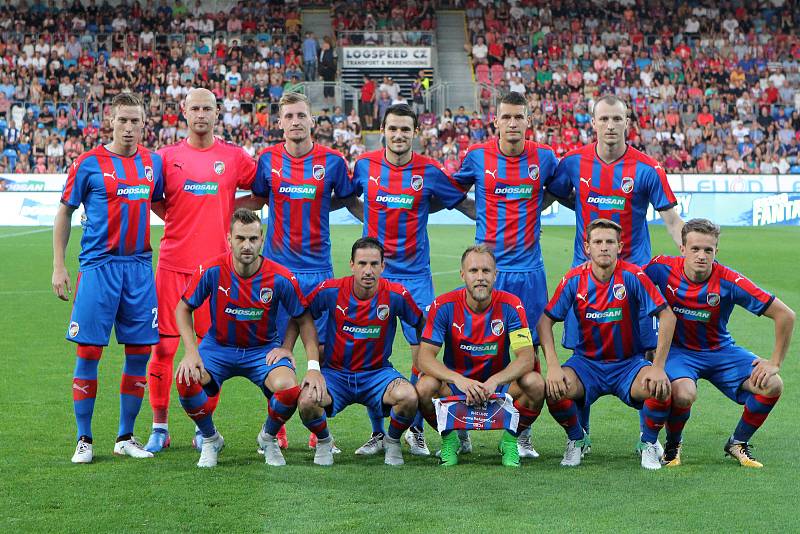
point(382, 57)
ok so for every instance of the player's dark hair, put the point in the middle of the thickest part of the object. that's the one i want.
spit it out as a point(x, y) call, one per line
point(478, 249)
point(245, 216)
point(126, 99)
point(701, 226)
point(611, 100)
point(366, 242)
point(399, 110)
point(513, 98)
point(605, 224)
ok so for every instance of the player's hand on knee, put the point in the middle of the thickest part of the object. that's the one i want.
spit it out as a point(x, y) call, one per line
point(656, 383)
point(190, 369)
point(279, 353)
point(60, 282)
point(316, 384)
point(763, 371)
point(557, 384)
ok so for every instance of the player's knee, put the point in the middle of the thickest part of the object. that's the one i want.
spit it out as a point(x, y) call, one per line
point(774, 387)
point(407, 399)
point(426, 387)
point(684, 393)
point(532, 384)
point(281, 382)
point(306, 402)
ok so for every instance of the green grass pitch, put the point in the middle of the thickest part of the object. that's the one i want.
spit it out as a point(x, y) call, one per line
point(42, 491)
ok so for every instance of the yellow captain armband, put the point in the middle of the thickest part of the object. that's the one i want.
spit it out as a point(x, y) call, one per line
point(521, 338)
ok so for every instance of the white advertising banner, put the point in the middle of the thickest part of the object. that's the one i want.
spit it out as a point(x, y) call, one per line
point(386, 57)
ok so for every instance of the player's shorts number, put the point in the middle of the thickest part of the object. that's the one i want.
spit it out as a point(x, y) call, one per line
point(155, 317)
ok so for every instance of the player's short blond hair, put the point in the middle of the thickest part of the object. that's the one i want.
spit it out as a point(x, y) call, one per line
point(606, 224)
point(478, 249)
point(701, 226)
point(126, 99)
point(293, 98)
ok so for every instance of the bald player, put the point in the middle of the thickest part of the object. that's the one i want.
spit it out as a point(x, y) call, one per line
point(201, 176)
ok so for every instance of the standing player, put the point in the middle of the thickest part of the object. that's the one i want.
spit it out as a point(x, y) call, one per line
point(702, 294)
point(606, 296)
point(116, 184)
point(510, 177)
point(201, 176)
point(478, 327)
point(243, 290)
point(399, 187)
point(362, 312)
point(611, 180)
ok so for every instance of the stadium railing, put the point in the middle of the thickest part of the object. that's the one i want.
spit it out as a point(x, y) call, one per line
point(386, 38)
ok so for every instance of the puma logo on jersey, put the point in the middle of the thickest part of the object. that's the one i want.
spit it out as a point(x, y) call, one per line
point(493, 173)
point(179, 165)
point(458, 327)
point(112, 175)
point(276, 171)
point(737, 279)
point(579, 296)
point(376, 179)
point(224, 290)
point(82, 389)
point(343, 310)
point(673, 289)
point(587, 181)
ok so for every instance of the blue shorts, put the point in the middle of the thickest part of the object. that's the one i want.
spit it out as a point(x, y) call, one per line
point(120, 293)
point(366, 388)
point(531, 288)
point(224, 362)
point(726, 368)
point(601, 378)
point(421, 289)
point(308, 282)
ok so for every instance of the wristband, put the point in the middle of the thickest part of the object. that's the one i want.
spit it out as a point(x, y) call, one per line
point(313, 365)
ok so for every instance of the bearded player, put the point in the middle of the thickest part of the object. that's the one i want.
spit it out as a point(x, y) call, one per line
point(702, 293)
point(201, 176)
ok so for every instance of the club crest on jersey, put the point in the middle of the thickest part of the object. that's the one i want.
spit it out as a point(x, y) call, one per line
point(627, 184)
point(318, 171)
point(148, 173)
point(712, 299)
point(619, 292)
point(498, 327)
point(533, 172)
point(416, 182)
point(265, 295)
point(383, 312)
point(219, 167)
point(74, 328)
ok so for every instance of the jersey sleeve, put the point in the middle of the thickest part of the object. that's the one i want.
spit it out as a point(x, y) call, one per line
point(651, 301)
point(290, 295)
point(200, 287)
point(562, 299)
point(317, 300)
point(749, 296)
point(158, 182)
point(656, 272)
point(261, 182)
point(356, 181)
point(560, 184)
point(437, 324)
point(77, 185)
point(246, 171)
point(658, 190)
point(467, 175)
point(444, 188)
point(342, 185)
point(519, 332)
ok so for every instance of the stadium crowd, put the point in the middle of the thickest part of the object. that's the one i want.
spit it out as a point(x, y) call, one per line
point(712, 89)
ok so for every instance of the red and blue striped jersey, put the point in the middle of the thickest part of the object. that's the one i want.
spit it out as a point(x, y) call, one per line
point(509, 192)
point(476, 345)
point(299, 192)
point(396, 207)
point(360, 333)
point(703, 309)
point(243, 310)
point(620, 191)
point(116, 193)
point(607, 325)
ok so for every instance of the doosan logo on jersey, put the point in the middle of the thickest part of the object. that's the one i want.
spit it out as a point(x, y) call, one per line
point(134, 192)
point(201, 188)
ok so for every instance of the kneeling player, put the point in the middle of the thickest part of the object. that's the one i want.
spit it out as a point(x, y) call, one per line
point(362, 319)
point(702, 294)
point(605, 296)
point(477, 325)
point(243, 290)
